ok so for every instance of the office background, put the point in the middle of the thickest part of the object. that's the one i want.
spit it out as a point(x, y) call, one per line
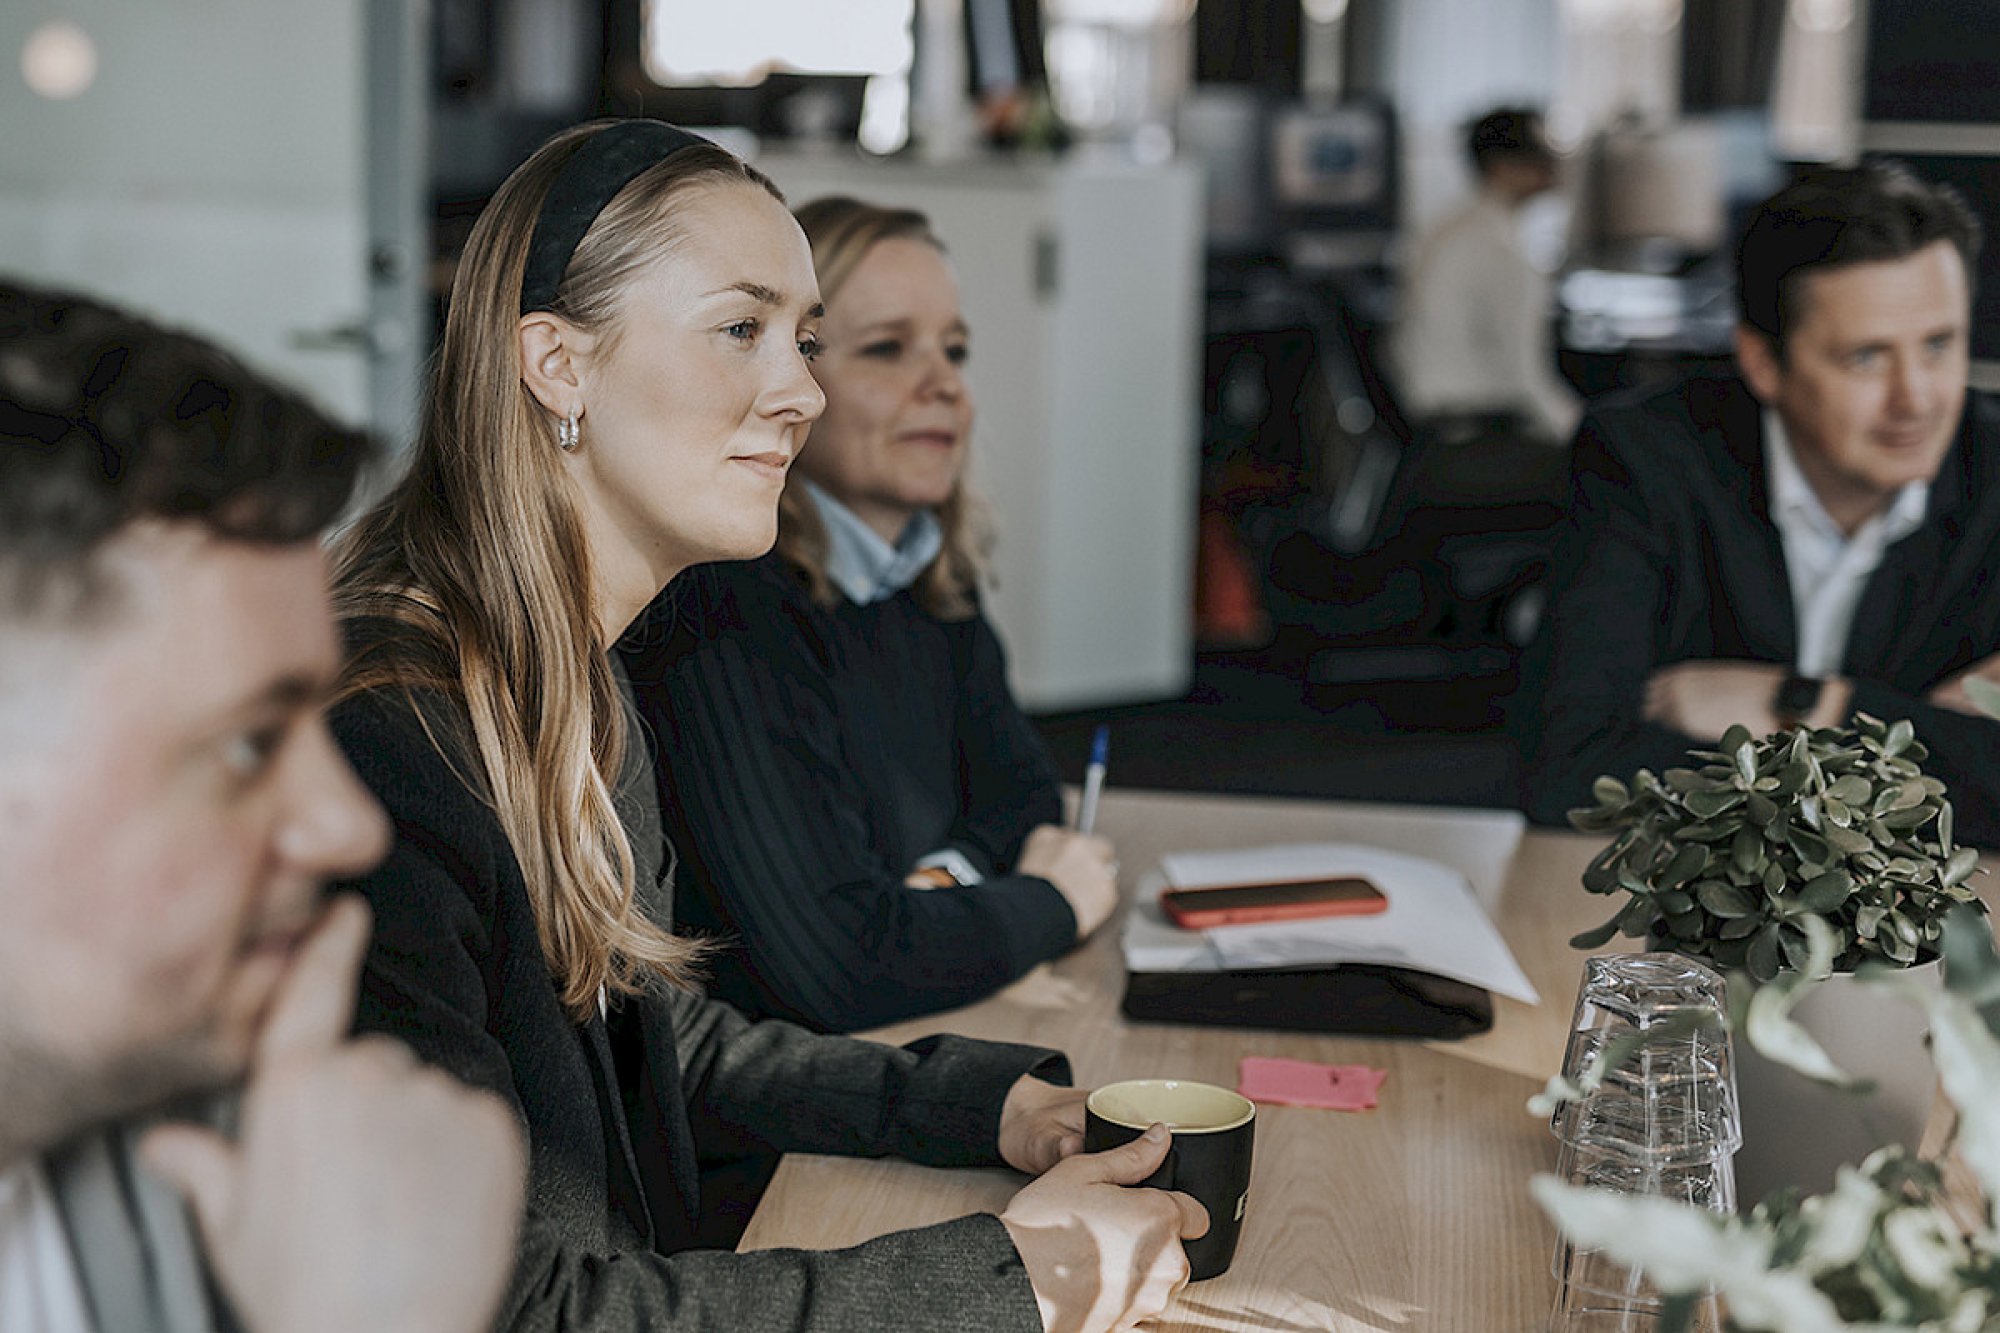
point(1181, 228)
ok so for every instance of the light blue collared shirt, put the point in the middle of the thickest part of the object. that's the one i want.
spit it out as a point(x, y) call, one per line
point(862, 565)
point(1828, 568)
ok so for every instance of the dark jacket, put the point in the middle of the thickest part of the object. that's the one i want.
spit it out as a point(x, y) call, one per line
point(618, 1113)
point(1670, 554)
point(809, 756)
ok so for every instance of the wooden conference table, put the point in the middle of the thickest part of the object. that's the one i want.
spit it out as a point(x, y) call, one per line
point(1413, 1216)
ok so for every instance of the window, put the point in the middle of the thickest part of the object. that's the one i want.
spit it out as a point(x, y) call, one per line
point(742, 41)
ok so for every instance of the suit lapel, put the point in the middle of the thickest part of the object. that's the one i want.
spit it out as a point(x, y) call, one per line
point(631, 1040)
point(1922, 572)
point(1896, 597)
point(132, 1240)
point(1752, 584)
point(181, 1276)
point(627, 1198)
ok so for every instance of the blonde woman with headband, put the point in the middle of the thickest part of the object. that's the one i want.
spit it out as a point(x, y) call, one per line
point(866, 815)
point(621, 388)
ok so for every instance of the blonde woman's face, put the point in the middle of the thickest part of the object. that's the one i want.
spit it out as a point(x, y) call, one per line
point(695, 408)
point(898, 413)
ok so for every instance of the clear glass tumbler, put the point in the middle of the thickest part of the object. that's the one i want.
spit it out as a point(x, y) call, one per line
point(1658, 1116)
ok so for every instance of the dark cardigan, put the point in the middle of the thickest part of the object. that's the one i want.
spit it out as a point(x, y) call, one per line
point(618, 1113)
point(810, 755)
point(1670, 555)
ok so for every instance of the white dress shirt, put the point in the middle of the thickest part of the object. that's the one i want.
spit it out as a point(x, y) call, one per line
point(39, 1288)
point(1474, 332)
point(1828, 568)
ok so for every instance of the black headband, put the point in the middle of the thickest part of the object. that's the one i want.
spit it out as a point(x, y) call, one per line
point(592, 177)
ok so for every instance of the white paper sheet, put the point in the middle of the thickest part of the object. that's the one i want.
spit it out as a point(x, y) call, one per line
point(1434, 922)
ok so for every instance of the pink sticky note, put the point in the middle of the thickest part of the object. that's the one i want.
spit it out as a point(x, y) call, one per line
point(1303, 1083)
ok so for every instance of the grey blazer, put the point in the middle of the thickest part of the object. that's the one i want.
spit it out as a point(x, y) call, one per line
point(133, 1240)
point(620, 1111)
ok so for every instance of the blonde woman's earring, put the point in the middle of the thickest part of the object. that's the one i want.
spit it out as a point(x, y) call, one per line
point(568, 433)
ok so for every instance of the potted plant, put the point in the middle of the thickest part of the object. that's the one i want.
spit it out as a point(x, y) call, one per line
point(1890, 1245)
point(1729, 859)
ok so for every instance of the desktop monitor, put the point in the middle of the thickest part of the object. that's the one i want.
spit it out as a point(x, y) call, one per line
point(1334, 167)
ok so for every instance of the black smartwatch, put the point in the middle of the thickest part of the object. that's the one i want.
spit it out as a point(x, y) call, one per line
point(1797, 696)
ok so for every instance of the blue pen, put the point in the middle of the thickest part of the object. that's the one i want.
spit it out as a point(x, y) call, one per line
point(1093, 780)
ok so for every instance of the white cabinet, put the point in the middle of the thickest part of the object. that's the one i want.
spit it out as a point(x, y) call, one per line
point(1082, 283)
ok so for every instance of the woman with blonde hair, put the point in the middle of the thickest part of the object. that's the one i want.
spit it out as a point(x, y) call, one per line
point(867, 817)
point(621, 387)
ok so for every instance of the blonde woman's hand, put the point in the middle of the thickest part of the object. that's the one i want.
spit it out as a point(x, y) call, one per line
point(1104, 1257)
point(1081, 867)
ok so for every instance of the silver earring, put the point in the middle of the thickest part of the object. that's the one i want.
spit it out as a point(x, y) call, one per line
point(568, 433)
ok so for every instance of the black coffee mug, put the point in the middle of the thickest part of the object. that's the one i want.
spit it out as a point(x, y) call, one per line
point(1213, 1129)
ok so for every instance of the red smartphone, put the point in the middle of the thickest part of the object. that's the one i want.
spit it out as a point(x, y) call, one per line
point(1295, 900)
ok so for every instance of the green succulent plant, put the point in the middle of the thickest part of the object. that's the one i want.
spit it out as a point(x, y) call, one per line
point(1725, 860)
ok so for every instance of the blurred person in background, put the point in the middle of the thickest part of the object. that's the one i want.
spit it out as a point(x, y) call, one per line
point(1473, 341)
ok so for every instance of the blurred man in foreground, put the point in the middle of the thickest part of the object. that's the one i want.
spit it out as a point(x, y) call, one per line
point(170, 806)
point(1817, 537)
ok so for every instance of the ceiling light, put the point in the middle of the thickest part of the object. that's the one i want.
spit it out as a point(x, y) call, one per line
point(59, 60)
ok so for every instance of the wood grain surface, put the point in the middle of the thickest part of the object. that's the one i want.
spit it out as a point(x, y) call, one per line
point(1413, 1216)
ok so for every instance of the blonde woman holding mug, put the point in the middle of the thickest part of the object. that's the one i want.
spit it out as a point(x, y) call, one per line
point(622, 385)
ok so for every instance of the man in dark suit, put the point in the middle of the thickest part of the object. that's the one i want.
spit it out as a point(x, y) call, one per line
point(1816, 537)
point(171, 805)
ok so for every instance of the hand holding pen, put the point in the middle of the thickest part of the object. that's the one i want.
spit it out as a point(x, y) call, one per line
point(1093, 780)
point(1076, 861)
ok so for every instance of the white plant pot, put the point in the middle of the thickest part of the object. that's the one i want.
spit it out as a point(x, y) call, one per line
point(1796, 1131)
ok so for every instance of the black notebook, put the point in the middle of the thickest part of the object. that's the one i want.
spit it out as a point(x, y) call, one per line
point(1362, 999)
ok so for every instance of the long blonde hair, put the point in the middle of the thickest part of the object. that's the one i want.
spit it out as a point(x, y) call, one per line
point(477, 568)
point(841, 232)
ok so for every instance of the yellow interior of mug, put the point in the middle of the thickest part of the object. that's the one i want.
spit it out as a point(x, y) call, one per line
point(1185, 1108)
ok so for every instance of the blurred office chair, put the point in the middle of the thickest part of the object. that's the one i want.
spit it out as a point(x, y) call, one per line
point(1409, 554)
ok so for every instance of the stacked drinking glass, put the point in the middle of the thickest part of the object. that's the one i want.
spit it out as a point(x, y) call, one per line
point(1662, 1121)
